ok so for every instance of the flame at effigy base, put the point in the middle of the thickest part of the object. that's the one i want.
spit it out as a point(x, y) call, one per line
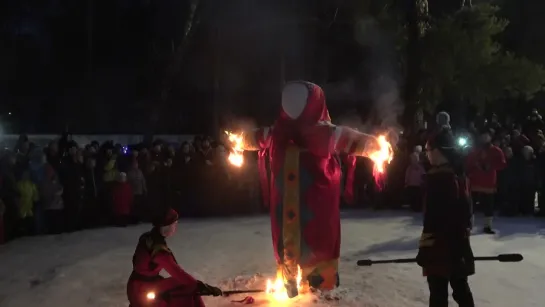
point(276, 290)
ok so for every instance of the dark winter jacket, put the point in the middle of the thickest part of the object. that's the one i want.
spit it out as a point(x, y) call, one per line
point(444, 247)
point(528, 175)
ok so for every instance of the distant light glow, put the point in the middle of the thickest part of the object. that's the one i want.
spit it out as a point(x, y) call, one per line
point(150, 295)
point(462, 142)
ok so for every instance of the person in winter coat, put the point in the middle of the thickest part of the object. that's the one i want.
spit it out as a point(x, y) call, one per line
point(10, 196)
point(109, 175)
point(53, 203)
point(110, 170)
point(91, 199)
point(482, 166)
point(137, 180)
point(122, 201)
point(445, 252)
point(38, 170)
point(414, 176)
point(205, 174)
point(72, 179)
point(528, 181)
point(184, 184)
point(146, 287)
point(157, 194)
point(518, 141)
point(167, 172)
point(2, 210)
point(53, 156)
point(28, 196)
point(507, 196)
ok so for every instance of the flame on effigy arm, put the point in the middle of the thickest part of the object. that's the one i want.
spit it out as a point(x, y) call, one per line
point(236, 154)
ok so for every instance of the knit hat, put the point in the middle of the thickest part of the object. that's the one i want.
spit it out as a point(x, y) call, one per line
point(442, 119)
point(169, 218)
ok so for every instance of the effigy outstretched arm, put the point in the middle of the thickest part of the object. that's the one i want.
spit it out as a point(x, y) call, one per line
point(256, 139)
point(355, 143)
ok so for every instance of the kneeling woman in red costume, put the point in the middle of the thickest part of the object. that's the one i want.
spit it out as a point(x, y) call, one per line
point(147, 288)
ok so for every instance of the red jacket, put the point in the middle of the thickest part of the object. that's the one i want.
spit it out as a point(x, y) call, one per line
point(482, 166)
point(122, 199)
point(151, 257)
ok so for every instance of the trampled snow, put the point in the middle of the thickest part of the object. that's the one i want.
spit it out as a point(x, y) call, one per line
point(91, 267)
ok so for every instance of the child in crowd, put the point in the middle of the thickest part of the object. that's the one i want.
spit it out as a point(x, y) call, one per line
point(122, 201)
point(413, 182)
point(53, 203)
point(28, 196)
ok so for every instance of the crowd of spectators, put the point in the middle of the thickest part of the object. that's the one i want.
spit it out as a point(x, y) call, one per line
point(67, 186)
point(504, 162)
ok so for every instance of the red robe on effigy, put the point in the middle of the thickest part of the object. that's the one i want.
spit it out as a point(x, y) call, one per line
point(304, 190)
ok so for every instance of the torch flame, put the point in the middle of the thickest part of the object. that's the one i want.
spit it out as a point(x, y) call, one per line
point(381, 154)
point(236, 157)
point(277, 291)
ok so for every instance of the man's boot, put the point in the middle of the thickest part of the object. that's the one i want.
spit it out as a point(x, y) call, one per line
point(488, 226)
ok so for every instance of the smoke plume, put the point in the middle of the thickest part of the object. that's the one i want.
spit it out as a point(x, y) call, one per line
point(379, 80)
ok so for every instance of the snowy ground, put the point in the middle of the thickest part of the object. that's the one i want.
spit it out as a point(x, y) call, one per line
point(90, 268)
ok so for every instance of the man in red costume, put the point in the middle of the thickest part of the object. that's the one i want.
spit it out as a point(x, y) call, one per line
point(147, 288)
point(304, 188)
point(483, 163)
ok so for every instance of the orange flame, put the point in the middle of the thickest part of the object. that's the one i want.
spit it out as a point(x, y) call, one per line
point(236, 156)
point(277, 291)
point(381, 154)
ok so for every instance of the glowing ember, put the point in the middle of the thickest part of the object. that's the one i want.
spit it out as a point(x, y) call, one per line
point(277, 291)
point(236, 157)
point(150, 296)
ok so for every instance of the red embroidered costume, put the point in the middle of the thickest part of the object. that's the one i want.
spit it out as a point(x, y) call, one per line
point(147, 288)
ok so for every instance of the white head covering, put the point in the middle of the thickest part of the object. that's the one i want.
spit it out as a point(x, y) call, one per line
point(294, 99)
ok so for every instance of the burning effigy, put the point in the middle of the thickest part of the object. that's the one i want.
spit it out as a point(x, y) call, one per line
point(303, 189)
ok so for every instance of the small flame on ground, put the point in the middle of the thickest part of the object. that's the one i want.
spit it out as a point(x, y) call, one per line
point(381, 156)
point(277, 291)
point(150, 295)
point(236, 156)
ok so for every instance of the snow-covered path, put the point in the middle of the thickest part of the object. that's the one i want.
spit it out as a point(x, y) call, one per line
point(90, 268)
